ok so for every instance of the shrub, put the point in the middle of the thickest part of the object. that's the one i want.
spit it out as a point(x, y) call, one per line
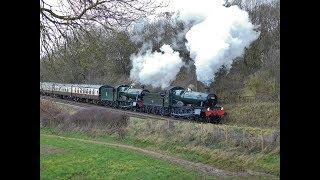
point(90, 120)
point(50, 114)
point(97, 120)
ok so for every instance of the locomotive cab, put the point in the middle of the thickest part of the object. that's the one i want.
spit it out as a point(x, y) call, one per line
point(212, 100)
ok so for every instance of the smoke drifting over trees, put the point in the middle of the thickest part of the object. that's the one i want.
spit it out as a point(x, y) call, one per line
point(232, 47)
point(215, 35)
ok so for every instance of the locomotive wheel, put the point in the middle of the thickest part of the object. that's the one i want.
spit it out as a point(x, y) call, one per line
point(215, 119)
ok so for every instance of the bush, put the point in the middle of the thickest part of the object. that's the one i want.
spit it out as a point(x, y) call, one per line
point(97, 120)
point(50, 114)
point(91, 120)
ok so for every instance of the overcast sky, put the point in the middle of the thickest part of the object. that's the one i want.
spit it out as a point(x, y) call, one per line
point(173, 5)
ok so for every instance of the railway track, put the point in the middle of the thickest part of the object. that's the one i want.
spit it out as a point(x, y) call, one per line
point(128, 112)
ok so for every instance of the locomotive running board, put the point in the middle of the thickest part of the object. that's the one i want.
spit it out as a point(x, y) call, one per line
point(125, 106)
point(189, 114)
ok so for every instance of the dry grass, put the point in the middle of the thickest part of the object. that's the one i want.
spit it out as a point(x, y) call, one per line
point(91, 120)
point(101, 121)
point(248, 139)
point(255, 114)
point(97, 120)
point(50, 114)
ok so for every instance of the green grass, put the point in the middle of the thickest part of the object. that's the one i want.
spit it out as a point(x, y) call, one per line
point(215, 156)
point(71, 159)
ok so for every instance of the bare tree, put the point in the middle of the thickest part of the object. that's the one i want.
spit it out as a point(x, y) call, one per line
point(58, 21)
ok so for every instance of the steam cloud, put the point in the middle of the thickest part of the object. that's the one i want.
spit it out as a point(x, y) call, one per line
point(157, 69)
point(215, 36)
point(219, 39)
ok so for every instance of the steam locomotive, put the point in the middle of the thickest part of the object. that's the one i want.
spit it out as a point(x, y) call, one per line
point(173, 101)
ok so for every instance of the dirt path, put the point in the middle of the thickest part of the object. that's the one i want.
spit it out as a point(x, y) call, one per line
point(187, 164)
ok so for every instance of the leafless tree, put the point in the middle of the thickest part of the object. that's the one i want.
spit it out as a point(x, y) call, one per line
point(58, 21)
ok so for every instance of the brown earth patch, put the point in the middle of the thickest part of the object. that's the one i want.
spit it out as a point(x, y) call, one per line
point(48, 150)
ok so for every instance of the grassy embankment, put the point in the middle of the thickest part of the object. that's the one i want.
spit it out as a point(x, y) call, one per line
point(232, 147)
point(254, 114)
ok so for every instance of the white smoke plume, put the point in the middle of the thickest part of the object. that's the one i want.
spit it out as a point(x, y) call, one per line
point(157, 69)
point(220, 34)
point(215, 35)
